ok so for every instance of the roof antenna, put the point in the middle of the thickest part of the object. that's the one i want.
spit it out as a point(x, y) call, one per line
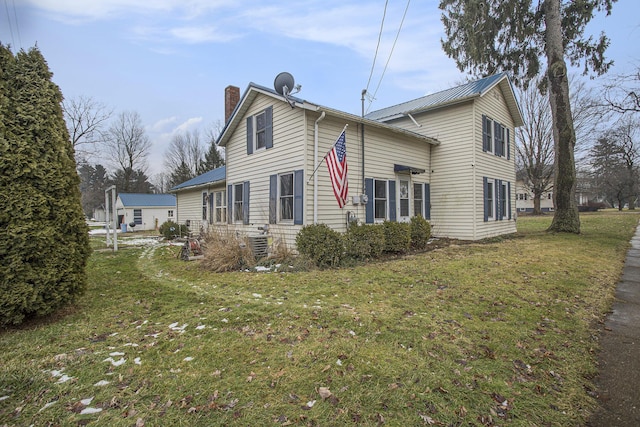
point(285, 86)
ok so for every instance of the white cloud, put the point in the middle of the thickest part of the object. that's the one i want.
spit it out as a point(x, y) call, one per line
point(188, 124)
point(163, 123)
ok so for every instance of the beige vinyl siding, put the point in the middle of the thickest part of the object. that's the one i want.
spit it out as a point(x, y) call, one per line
point(287, 155)
point(451, 171)
point(383, 149)
point(489, 165)
point(189, 204)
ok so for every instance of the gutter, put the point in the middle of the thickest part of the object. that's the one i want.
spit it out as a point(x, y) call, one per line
point(315, 162)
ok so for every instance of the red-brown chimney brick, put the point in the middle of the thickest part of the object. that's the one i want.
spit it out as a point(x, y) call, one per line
point(231, 99)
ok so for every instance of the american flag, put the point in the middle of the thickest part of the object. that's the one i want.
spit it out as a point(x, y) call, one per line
point(337, 163)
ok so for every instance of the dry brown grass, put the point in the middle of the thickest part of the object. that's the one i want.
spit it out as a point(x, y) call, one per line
point(225, 251)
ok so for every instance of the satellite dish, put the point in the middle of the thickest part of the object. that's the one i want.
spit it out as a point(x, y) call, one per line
point(283, 84)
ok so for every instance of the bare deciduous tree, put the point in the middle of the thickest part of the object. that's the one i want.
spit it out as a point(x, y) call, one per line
point(622, 93)
point(127, 146)
point(85, 118)
point(183, 157)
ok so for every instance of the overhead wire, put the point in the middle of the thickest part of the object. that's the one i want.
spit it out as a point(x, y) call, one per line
point(375, 56)
point(15, 16)
point(6, 7)
point(373, 97)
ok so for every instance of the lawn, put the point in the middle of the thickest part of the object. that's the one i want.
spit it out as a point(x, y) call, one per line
point(491, 333)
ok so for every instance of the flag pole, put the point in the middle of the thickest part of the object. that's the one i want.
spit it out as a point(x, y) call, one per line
point(328, 151)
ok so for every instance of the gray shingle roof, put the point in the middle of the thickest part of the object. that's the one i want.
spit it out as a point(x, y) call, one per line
point(147, 200)
point(445, 97)
point(214, 175)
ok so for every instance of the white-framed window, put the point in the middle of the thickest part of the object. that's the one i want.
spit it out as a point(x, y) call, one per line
point(170, 213)
point(418, 200)
point(137, 216)
point(285, 197)
point(260, 126)
point(204, 205)
point(220, 206)
point(260, 131)
point(238, 205)
point(495, 137)
point(490, 200)
point(404, 198)
point(503, 200)
point(379, 200)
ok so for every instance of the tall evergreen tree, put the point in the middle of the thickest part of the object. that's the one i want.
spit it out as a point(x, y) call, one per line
point(519, 36)
point(45, 243)
point(212, 158)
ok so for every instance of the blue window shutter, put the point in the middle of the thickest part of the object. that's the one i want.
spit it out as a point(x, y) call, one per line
point(392, 200)
point(485, 191)
point(485, 137)
point(497, 199)
point(298, 196)
point(368, 190)
point(245, 202)
point(268, 130)
point(211, 212)
point(508, 145)
point(273, 199)
point(509, 198)
point(229, 204)
point(427, 201)
point(250, 135)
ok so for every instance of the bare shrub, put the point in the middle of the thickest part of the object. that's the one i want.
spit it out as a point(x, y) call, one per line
point(225, 251)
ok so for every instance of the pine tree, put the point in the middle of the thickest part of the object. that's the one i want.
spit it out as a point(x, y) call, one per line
point(45, 242)
point(212, 159)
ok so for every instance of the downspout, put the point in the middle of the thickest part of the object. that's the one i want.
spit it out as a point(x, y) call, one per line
point(315, 163)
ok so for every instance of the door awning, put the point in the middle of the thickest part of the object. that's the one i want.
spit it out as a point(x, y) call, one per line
point(403, 168)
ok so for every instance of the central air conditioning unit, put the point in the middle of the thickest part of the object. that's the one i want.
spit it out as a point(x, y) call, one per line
point(259, 246)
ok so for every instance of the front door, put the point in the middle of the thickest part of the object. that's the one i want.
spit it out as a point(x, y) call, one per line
point(403, 195)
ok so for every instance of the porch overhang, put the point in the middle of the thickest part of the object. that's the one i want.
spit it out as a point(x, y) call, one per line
point(403, 168)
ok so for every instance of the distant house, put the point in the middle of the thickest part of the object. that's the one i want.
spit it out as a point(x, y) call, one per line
point(202, 201)
point(524, 199)
point(448, 157)
point(146, 211)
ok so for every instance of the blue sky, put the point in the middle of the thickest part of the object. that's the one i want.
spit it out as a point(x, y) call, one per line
point(170, 60)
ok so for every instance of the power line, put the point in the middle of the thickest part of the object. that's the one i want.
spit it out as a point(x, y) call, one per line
point(384, 14)
point(6, 6)
point(15, 16)
point(390, 53)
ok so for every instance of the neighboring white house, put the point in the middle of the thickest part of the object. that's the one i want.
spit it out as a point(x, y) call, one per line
point(524, 199)
point(448, 157)
point(202, 201)
point(146, 211)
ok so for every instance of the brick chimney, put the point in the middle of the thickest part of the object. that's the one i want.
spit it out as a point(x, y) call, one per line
point(231, 99)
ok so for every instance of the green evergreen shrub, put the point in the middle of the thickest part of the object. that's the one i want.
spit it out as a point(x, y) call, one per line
point(170, 230)
point(397, 237)
point(45, 241)
point(364, 241)
point(420, 232)
point(320, 244)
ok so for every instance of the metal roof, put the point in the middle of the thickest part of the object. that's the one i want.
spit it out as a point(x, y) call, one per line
point(450, 96)
point(212, 176)
point(147, 200)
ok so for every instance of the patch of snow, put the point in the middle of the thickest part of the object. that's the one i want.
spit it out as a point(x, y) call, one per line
point(200, 327)
point(63, 379)
point(257, 295)
point(87, 401)
point(175, 327)
point(137, 361)
point(101, 383)
point(130, 344)
point(88, 411)
point(188, 359)
point(4, 398)
point(225, 320)
point(116, 353)
point(48, 405)
point(115, 362)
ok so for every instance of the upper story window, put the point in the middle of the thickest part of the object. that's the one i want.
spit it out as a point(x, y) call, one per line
point(260, 131)
point(496, 138)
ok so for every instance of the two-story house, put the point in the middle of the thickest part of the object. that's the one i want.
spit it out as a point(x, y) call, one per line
point(446, 156)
